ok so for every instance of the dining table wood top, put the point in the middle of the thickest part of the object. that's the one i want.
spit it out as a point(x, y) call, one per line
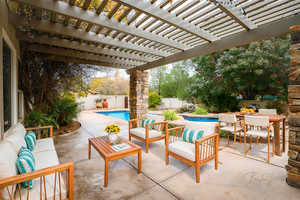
point(272, 118)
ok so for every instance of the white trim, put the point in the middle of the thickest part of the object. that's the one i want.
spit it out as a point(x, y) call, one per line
point(14, 83)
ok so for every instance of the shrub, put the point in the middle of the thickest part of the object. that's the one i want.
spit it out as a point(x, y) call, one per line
point(38, 118)
point(276, 104)
point(200, 111)
point(98, 100)
point(170, 115)
point(63, 111)
point(183, 109)
point(154, 99)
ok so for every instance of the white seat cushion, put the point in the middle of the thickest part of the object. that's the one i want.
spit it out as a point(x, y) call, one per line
point(44, 145)
point(8, 168)
point(16, 140)
point(231, 128)
point(183, 149)
point(141, 132)
point(45, 159)
point(259, 133)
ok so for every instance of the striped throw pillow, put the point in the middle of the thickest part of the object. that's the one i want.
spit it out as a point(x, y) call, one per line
point(30, 139)
point(191, 135)
point(26, 163)
point(147, 121)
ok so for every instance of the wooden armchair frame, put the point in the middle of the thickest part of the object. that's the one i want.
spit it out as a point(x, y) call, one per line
point(48, 130)
point(202, 155)
point(164, 125)
point(68, 168)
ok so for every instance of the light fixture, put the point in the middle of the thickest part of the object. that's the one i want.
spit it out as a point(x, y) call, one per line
point(217, 2)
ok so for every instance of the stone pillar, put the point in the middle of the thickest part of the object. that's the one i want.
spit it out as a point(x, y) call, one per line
point(293, 167)
point(138, 98)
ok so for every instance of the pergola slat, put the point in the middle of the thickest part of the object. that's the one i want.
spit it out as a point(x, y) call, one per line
point(113, 11)
point(124, 14)
point(90, 17)
point(86, 4)
point(163, 15)
point(101, 6)
point(78, 54)
point(176, 5)
point(278, 28)
point(53, 41)
point(61, 29)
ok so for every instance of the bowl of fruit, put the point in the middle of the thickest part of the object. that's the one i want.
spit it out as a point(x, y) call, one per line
point(247, 111)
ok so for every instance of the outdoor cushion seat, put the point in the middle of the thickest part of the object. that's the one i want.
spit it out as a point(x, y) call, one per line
point(45, 159)
point(259, 133)
point(184, 149)
point(141, 132)
point(43, 145)
point(231, 128)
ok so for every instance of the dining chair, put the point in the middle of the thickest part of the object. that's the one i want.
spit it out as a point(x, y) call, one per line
point(234, 126)
point(268, 111)
point(258, 121)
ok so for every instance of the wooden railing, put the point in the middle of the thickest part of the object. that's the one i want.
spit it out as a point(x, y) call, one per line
point(46, 131)
point(63, 172)
point(207, 147)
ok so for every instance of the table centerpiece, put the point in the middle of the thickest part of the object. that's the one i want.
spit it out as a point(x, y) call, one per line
point(112, 131)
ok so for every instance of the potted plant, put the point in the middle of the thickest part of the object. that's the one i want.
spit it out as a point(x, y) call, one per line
point(98, 103)
point(112, 131)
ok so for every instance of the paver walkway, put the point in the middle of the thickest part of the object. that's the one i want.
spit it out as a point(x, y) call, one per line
point(238, 177)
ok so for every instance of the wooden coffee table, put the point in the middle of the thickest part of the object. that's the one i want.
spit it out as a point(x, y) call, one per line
point(108, 154)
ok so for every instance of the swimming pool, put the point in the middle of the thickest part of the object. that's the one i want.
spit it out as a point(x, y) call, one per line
point(201, 119)
point(124, 115)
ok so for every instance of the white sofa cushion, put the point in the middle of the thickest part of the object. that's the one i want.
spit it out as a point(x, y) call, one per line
point(21, 129)
point(43, 145)
point(45, 159)
point(8, 168)
point(16, 140)
point(207, 127)
point(184, 149)
point(141, 132)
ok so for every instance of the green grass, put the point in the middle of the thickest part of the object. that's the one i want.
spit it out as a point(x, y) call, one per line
point(152, 109)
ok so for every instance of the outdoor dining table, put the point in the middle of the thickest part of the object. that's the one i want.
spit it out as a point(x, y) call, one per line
point(276, 119)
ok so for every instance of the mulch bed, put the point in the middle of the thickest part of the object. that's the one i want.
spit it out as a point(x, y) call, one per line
point(72, 126)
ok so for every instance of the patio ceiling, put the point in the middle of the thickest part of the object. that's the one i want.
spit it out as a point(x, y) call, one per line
point(143, 34)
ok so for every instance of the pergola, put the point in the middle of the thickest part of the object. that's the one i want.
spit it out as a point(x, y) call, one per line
point(143, 34)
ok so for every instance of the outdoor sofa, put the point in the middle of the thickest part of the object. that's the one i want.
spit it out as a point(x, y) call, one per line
point(51, 179)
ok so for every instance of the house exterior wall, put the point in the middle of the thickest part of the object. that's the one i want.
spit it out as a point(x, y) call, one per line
point(7, 32)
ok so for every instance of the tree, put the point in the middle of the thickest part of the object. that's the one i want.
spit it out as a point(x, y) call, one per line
point(175, 82)
point(158, 77)
point(259, 68)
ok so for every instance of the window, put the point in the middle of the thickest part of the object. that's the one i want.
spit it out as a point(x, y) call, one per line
point(20, 93)
point(7, 54)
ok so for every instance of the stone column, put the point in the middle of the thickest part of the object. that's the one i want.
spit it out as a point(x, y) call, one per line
point(138, 98)
point(293, 167)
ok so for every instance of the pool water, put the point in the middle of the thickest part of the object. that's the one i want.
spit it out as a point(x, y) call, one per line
point(201, 119)
point(124, 115)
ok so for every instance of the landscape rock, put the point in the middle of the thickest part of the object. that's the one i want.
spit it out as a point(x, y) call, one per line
point(293, 154)
point(292, 169)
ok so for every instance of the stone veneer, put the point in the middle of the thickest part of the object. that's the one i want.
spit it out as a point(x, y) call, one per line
point(138, 98)
point(293, 167)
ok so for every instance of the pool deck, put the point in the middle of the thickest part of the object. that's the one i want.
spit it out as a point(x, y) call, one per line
point(238, 176)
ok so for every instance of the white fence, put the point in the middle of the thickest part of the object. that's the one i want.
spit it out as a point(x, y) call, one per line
point(114, 101)
point(118, 101)
point(174, 103)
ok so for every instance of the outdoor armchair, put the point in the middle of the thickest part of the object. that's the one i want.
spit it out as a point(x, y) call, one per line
point(150, 132)
point(195, 154)
point(258, 121)
point(232, 126)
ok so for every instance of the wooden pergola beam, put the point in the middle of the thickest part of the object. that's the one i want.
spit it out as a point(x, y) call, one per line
point(44, 25)
point(90, 17)
point(264, 32)
point(79, 54)
point(53, 41)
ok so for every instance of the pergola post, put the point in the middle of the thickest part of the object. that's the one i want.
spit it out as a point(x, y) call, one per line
point(138, 99)
point(293, 167)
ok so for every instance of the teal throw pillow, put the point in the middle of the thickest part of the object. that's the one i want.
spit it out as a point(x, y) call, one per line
point(191, 135)
point(147, 121)
point(26, 163)
point(30, 139)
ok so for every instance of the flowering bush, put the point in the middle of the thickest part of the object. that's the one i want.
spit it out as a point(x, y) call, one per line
point(112, 129)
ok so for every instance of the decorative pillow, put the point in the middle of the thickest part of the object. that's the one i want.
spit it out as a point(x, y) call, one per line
point(30, 139)
point(26, 163)
point(26, 152)
point(191, 135)
point(147, 121)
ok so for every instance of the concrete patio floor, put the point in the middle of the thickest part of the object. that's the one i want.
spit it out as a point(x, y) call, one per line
point(238, 177)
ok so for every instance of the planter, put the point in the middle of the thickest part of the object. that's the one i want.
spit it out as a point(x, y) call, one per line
point(112, 137)
point(98, 105)
point(105, 103)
